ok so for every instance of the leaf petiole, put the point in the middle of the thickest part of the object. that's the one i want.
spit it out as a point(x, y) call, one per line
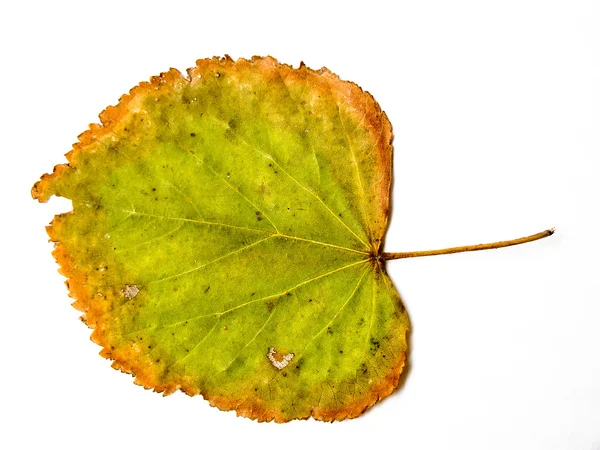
point(468, 248)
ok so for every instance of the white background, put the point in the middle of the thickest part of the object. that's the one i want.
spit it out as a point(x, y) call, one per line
point(496, 113)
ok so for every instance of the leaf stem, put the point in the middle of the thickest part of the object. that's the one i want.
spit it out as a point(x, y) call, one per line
point(468, 248)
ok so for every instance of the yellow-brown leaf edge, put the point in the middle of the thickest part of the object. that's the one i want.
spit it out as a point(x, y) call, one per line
point(82, 281)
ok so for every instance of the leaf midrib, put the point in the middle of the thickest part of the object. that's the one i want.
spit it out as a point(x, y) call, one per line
point(205, 222)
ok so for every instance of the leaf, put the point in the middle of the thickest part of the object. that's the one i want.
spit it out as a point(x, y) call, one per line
point(225, 239)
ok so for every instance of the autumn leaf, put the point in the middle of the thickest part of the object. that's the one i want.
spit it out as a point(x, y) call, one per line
point(226, 239)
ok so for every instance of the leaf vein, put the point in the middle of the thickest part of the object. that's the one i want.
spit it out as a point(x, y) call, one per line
point(221, 313)
point(156, 238)
point(208, 166)
point(211, 262)
point(314, 195)
point(204, 222)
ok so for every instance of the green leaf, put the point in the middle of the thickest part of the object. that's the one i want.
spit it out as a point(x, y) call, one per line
point(225, 239)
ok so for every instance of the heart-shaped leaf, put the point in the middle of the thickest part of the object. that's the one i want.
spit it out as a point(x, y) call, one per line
point(226, 239)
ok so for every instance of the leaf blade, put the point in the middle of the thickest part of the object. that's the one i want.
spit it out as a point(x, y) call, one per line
point(243, 208)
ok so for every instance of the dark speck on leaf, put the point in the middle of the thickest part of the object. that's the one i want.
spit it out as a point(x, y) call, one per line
point(374, 346)
point(193, 134)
